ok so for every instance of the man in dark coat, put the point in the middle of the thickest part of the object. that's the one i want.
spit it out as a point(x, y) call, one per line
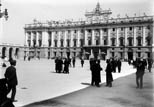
point(66, 65)
point(119, 65)
point(139, 74)
point(11, 78)
point(82, 62)
point(73, 61)
point(109, 70)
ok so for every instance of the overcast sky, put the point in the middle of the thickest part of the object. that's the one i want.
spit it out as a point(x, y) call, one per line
point(23, 12)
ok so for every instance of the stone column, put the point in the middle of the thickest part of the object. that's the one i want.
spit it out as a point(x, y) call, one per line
point(26, 38)
point(32, 37)
point(45, 39)
point(86, 37)
point(59, 36)
point(78, 38)
point(72, 36)
point(93, 37)
point(144, 34)
point(37, 38)
point(52, 38)
point(109, 37)
point(134, 55)
point(101, 37)
point(1, 31)
point(117, 37)
point(126, 35)
point(134, 36)
point(65, 38)
point(152, 41)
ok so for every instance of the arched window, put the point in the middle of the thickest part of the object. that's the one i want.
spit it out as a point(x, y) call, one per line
point(139, 40)
point(113, 41)
point(130, 41)
point(121, 40)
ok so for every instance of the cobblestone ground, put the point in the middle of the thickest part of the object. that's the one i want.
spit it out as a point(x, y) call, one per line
point(38, 80)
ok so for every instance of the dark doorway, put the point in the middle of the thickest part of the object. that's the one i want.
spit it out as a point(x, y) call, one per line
point(10, 53)
point(3, 52)
point(68, 54)
point(17, 52)
point(130, 55)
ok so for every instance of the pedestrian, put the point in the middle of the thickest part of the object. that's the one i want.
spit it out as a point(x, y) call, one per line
point(97, 72)
point(73, 61)
point(82, 62)
point(56, 65)
point(119, 65)
point(140, 73)
point(113, 65)
point(66, 66)
point(11, 78)
point(109, 77)
point(3, 87)
point(149, 64)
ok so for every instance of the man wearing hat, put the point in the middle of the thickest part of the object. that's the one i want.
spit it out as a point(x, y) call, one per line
point(11, 77)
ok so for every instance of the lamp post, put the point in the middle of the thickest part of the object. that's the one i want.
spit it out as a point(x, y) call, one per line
point(5, 15)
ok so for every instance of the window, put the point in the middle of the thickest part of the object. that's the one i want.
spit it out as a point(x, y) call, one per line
point(55, 43)
point(130, 28)
point(139, 41)
point(89, 42)
point(130, 41)
point(113, 29)
point(113, 41)
point(74, 42)
point(97, 42)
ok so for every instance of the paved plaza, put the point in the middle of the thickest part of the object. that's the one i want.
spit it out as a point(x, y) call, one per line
point(38, 80)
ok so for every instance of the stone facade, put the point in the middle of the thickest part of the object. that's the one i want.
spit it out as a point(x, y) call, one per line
point(99, 35)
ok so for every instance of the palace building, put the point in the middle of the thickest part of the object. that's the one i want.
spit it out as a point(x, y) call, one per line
point(98, 35)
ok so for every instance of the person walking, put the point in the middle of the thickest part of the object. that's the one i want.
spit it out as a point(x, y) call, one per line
point(11, 78)
point(82, 62)
point(66, 66)
point(140, 73)
point(119, 65)
point(73, 62)
point(109, 77)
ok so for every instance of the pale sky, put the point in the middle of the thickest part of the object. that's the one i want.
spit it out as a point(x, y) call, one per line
point(23, 12)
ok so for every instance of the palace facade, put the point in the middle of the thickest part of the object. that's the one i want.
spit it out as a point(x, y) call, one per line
point(98, 35)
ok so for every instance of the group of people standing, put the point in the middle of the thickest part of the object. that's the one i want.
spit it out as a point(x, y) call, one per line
point(96, 68)
point(62, 64)
point(8, 82)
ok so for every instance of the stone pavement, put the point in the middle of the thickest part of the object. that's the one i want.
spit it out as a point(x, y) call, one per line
point(122, 94)
point(38, 80)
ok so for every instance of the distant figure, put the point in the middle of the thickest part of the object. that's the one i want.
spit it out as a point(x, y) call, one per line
point(82, 62)
point(73, 61)
point(109, 70)
point(119, 65)
point(140, 73)
point(149, 64)
point(66, 66)
point(11, 78)
point(113, 65)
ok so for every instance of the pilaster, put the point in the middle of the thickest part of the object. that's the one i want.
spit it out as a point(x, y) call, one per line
point(101, 37)
point(135, 36)
point(126, 35)
point(117, 37)
point(86, 37)
point(93, 37)
point(144, 34)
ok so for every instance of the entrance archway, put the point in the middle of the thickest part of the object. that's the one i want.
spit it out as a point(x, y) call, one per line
point(17, 52)
point(10, 53)
point(3, 52)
